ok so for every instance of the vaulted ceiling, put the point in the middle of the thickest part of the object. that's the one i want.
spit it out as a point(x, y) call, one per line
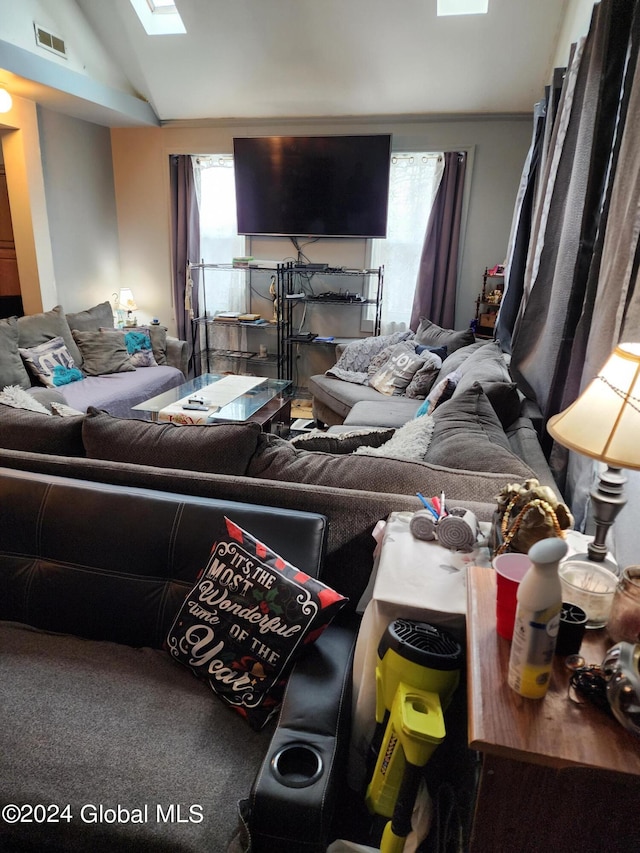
point(277, 58)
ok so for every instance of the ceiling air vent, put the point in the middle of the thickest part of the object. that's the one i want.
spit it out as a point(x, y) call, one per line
point(48, 41)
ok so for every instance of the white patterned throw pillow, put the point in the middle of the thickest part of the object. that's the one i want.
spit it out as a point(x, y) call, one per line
point(51, 363)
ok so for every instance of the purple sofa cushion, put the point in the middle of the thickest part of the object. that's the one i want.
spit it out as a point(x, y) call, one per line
point(117, 392)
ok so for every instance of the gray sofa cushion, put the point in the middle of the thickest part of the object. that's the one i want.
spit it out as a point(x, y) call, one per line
point(485, 364)
point(383, 412)
point(154, 735)
point(454, 360)
point(341, 396)
point(117, 392)
point(12, 369)
point(468, 435)
point(35, 329)
point(277, 459)
point(432, 335)
point(21, 429)
point(214, 448)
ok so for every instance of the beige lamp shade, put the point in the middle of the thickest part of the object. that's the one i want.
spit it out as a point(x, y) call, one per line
point(127, 300)
point(604, 422)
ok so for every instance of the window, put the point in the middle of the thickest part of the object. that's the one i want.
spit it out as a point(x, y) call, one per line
point(414, 181)
point(219, 240)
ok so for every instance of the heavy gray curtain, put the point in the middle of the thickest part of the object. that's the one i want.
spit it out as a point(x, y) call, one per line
point(528, 191)
point(571, 215)
point(186, 247)
point(435, 293)
point(579, 291)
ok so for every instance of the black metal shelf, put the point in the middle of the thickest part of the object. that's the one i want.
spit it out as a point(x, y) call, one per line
point(286, 276)
point(289, 277)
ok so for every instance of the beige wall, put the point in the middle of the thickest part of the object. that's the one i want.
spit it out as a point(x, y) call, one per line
point(497, 150)
point(20, 140)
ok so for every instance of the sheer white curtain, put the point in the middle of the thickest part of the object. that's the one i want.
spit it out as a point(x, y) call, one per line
point(414, 180)
point(219, 240)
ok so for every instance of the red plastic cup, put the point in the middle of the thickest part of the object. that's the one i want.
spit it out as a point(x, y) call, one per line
point(510, 569)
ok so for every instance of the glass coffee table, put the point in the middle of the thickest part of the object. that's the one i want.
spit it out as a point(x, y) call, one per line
point(266, 404)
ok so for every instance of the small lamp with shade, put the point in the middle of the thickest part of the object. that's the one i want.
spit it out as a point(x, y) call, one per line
point(604, 424)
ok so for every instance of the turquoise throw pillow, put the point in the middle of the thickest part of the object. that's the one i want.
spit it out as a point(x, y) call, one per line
point(66, 375)
point(424, 408)
point(137, 342)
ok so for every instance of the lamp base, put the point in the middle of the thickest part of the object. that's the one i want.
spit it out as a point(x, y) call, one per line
point(607, 500)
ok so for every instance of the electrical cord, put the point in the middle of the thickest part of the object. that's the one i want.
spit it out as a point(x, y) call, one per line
point(304, 317)
point(256, 292)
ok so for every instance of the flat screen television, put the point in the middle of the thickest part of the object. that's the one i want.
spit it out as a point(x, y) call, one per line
point(312, 186)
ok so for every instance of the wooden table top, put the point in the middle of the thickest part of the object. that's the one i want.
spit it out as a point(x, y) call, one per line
point(553, 731)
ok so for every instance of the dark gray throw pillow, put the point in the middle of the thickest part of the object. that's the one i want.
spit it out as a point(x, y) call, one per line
point(35, 329)
point(103, 353)
point(505, 400)
point(432, 335)
point(211, 448)
point(158, 336)
point(92, 319)
point(12, 369)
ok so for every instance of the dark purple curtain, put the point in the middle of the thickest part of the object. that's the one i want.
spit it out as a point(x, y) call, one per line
point(186, 247)
point(435, 293)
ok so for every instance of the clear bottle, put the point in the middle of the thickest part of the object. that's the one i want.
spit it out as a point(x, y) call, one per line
point(537, 620)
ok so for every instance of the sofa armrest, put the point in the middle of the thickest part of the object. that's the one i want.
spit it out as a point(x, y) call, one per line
point(178, 354)
point(293, 798)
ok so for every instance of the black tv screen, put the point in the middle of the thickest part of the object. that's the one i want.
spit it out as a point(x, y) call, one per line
point(316, 186)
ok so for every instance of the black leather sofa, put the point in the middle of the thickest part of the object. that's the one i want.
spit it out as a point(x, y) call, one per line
point(108, 744)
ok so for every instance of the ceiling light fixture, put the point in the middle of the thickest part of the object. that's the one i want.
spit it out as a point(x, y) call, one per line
point(6, 101)
point(462, 7)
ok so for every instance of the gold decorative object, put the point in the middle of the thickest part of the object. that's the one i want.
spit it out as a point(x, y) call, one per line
point(527, 513)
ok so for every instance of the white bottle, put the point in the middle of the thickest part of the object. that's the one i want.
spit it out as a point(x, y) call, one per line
point(537, 620)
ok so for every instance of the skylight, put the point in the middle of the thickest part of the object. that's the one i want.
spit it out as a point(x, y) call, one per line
point(162, 5)
point(463, 7)
point(159, 17)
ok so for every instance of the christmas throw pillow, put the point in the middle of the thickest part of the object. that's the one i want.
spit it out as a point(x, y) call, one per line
point(245, 622)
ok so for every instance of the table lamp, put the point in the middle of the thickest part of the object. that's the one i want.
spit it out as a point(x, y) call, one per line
point(604, 423)
point(128, 304)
